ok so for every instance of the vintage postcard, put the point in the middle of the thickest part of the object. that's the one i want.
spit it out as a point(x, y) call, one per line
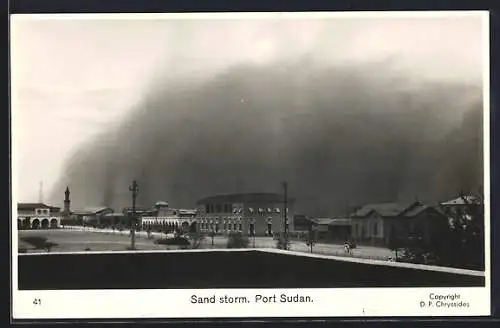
point(250, 165)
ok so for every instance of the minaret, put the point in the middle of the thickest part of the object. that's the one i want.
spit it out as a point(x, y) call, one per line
point(67, 202)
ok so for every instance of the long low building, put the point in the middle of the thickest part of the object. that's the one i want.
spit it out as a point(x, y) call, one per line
point(169, 219)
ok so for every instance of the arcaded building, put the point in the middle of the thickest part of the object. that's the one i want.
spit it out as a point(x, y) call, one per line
point(259, 214)
point(165, 218)
point(37, 216)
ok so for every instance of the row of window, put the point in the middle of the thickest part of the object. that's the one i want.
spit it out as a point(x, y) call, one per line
point(233, 228)
point(228, 208)
point(218, 208)
point(225, 227)
point(41, 211)
point(230, 220)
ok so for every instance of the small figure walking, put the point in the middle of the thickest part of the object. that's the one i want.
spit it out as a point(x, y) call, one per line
point(347, 248)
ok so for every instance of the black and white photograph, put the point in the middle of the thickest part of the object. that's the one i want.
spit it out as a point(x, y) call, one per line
point(217, 165)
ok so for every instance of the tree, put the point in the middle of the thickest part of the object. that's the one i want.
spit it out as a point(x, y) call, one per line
point(283, 242)
point(416, 250)
point(456, 241)
point(237, 240)
point(394, 243)
point(211, 234)
point(311, 238)
point(196, 238)
point(465, 236)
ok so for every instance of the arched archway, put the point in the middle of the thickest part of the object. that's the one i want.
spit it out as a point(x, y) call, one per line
point(185, 226)
point(45, 223)
point(19, 224)
point(35, 224)
point(27, 223)
point(53, 224)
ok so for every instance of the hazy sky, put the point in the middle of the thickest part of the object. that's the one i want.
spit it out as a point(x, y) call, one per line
point(73, 78)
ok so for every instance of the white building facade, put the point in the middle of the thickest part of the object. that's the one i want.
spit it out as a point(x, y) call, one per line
point(38, 216)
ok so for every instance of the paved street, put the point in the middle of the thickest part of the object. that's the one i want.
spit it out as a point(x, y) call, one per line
point(79, 239)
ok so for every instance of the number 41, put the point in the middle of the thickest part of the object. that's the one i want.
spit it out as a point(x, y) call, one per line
point(37, 301)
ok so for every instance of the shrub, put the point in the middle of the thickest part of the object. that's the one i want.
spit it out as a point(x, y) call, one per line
point(237, 240)
point(196, 239)
point(39, 242)
point(283, 243)
point(177, 241)
point(49, 245)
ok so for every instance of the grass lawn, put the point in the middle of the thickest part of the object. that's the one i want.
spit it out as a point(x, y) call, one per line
point(95, 240)
point(79, 241)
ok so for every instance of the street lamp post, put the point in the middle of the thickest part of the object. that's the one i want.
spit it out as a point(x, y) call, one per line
point(212, 231)
point(134, 188)
point(285, 214)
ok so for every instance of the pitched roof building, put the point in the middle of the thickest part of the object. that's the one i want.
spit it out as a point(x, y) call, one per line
point(377, 223)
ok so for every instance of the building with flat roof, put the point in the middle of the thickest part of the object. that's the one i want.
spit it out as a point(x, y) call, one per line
point(253, 214)
point(332, 229)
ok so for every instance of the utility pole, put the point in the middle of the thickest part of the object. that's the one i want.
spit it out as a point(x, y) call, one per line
point(134, 188)
point(285, 213)
point(40, 193)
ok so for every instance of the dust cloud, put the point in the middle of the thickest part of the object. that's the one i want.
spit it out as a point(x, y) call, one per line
point(340, 135)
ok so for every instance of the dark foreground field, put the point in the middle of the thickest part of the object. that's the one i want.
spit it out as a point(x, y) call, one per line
point(235, 269)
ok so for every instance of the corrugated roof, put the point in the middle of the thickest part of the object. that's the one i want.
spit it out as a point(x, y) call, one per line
point(331, 221)
point(186, 211)
point(340, 221)
point(415, 210)
point(321, 220)
point(116, 214)
point(384, 209)
point(245, 198)
point(92, 210)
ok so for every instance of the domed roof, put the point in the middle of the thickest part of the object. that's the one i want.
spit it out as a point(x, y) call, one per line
point(161, 203)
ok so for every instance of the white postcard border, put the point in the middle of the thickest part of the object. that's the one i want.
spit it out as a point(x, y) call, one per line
point(175, 303)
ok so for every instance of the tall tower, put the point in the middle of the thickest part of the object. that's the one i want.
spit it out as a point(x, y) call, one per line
point(67, 202)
